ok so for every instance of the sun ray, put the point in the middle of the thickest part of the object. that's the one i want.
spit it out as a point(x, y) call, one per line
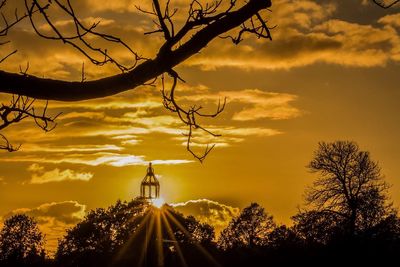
point(148, 234)
point(145, 220)
point(173, 238)
point(159, 241)
point(197, 244)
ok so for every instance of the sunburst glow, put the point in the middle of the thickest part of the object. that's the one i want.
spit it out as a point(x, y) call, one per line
point(158, 202)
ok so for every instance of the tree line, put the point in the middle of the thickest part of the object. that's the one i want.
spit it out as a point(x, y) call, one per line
point(348, 218)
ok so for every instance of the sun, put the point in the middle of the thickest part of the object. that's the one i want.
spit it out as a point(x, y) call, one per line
point(158, 202)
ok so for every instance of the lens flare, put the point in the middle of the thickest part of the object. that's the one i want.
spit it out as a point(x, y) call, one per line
point(158, 202)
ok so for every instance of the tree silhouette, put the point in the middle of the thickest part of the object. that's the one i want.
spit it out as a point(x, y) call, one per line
point(200, 232)
point(249, 229)
point(134, 233)
point(205, 22)
point(349, 188)
point(21, 242)
point(318, 227)
point(283, 237)
point(97, 237)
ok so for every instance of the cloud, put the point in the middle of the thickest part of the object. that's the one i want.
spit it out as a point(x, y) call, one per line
point(208, 211)
point(98, 132)
point(40, 176)
point(307, 33)
point(71, 148)
point(111, 103)
point(118, 6)
point(94, 159)
point(68, 212)
point(392, 19)
point(298, 40)
point(120, 160)
point(117, 131)
point(256, 104)
point(228, 136)
point(365, 2)
point(65, 62)
point(54, 218)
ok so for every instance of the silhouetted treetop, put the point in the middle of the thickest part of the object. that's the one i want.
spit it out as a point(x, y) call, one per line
point(250, 228)
point(350, 185)
point(133, 232)
point(21, 242)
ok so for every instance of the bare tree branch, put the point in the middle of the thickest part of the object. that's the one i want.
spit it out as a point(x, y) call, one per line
point(7, 56)
point(5, 145)
point(205, 22)
point(78, 40)
point(386, 4)
point(7, 26)
point(166, 59)
point(20, 108)
point(189, 116)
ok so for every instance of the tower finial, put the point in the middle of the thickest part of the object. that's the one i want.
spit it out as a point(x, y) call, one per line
point(150, 170)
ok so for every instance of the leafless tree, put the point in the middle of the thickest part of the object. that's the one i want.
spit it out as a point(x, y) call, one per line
point(349, 185)
point(205, 22)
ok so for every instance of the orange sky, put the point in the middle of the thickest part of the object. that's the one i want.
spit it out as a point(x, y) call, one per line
point(331, 72)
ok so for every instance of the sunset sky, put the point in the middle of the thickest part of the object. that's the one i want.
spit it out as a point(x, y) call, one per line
point(330, 73)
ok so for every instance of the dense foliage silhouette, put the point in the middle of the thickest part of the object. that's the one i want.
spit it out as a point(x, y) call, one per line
point(21, 242)
point(347, 220)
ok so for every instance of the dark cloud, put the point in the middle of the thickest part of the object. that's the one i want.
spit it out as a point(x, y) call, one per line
point(54, 218)
point(68, 212)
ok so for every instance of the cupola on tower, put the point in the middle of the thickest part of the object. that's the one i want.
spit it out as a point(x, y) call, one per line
point(150, 187)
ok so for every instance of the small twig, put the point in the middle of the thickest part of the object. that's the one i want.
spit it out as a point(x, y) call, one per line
point(7, 56)
point(24, 72)
point(20, 108)
point(189, 116)
point(7, 146)
point(83, 78)
point(80, 39)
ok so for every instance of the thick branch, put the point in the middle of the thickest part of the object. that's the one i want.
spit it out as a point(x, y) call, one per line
point(51, 89)
point(384, 4)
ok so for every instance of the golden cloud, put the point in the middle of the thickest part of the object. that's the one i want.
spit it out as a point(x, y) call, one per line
point(258, 104)
point(301, 38)
point(103, 131)
point(307, 33)
point(70, 148)
point(40, 176)
point(69, 212)
point(93, 159)
point(393, 20)
point(208, 211)
point(54, 218)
